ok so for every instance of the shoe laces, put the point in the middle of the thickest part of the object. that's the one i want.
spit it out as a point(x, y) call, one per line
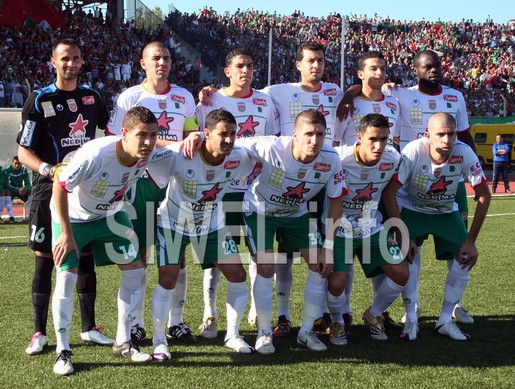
point(35, 337)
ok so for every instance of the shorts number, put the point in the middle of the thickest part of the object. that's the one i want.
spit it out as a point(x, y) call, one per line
point(315, 238)
point(229, 247)
point(130, 253)
point(37, 236)
point(396, 252)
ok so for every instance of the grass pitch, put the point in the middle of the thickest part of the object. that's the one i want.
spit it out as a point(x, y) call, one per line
point(431, 361)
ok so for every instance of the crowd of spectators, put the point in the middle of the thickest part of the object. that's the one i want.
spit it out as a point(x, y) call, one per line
point(478, 58)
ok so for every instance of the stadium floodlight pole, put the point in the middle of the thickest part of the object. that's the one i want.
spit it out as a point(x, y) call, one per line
point(342, 70)
point(270, 57)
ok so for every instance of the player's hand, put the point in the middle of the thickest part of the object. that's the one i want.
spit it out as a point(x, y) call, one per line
point(346, 106)
point(55, 170)
point(64, 245)
point(205, 94)
point(467, 257)
point(191, 145)
point(410, 256)
point(22, 191)
point(325, 262)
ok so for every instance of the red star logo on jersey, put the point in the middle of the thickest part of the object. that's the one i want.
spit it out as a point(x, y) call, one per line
point(162, 122)
point(439, 186)
point(321, 110)
point(79, 125)
point(248, 128)
point(296, 191)
point(366, 193)
point(210, 195)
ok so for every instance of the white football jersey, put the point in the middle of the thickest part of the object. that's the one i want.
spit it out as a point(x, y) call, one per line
point(255, 115)
point(429, 187)
point(285, 185)
point(193, 203)
point(365, 185)
point(291, 99)
point(174, 110)
point(387, 106)
point(96, 180)
point(418, 107)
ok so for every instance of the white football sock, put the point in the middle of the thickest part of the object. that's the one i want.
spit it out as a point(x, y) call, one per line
point(283, 283)
point(335, 305)
point(263, 293)
point(160, 308)
point(237, 296)
point(314, 294)
point(9, 206)
point(178, 299)
point(62, 307)
point(130, 291)
point(2, 204)
point(210, 284)
point(348, 290)
point(252, 275)
point(410, 292)
point(455, 285)
point(386, 294)
point(138, 301)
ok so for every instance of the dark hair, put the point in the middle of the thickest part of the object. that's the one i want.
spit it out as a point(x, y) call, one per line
point(217, 116)
point(311, 116)
point(65, 42)
point(373, 120)
point(15, 158)
point(425, 53)
point(234, 53)
point(311, 46)
point(368, 55)
point(137, 115)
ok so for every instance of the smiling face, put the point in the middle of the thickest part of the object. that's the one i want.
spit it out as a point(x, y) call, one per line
point(67, 61)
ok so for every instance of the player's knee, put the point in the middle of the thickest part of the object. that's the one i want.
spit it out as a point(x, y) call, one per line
point(337, 283)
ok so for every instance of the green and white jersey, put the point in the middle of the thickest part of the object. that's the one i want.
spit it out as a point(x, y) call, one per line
point(193, 203)
point(418, 107)
point(387, 106)
point(174, 110)
point(255, 115)
point(285, 185)
point(96, 180)
point(365, 185)
point(16, 179)
point(430, 188)
point(291, 99)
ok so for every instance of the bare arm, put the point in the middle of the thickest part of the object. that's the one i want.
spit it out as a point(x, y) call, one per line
point(29, 159)
point(65, 242)
point(346, 105)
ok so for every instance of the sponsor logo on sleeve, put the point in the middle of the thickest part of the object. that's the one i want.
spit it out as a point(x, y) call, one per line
point(28, 131)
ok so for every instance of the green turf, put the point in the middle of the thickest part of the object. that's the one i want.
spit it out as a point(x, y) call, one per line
point(432, 361)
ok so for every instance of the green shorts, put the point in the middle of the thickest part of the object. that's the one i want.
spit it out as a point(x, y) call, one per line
point(113, 241)
point(296, 232)
point(447, 228)
point(234, 214)
point(213, 247)
point(146, 201)
point(378, 250)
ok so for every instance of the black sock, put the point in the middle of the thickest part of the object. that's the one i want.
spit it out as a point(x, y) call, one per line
point(87, 290)
point(41, 289)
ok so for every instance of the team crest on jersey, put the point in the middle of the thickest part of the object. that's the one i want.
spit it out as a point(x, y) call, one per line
point(385, 166)
point(437, 171)
point(210, 174)
point(321, 167)
point(231, 165)
point(455, 159)
point(363, 175)
point(432, 104)
point(241, 107)
point(161, 104)
point(391, 105)
point(178, 99)
point(258, 101)
point(376, 108)
point(452, 98)
point(315, 99)
point(330, 92)
point(125, 178)
point(72, 105)
point(301, 174)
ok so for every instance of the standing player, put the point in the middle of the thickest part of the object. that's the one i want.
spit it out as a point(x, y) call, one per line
point(294, 170)
point(192, 213)
point(17, 183)
point(56, 121)
point(429, 174)
point(368, 166)
point(255, 115)
point(87, 209)
point(174, 108)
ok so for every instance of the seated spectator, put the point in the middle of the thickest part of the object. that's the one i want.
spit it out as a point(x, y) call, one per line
point(17, 184)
